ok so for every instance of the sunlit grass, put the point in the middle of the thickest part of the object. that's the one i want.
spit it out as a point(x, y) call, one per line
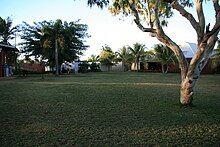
point(108, 109)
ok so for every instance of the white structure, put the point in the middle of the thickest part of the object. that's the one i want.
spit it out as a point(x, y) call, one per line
point(189, 49)
point(134, 66)
point(116, 67)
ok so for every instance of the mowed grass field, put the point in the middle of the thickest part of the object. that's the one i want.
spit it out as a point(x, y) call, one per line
point(108, 109)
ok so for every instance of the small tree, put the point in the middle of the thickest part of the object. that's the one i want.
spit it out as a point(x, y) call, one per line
point(94, 66)
point(93, 58)
point(107, 56)
point(124, 56)
point(165, 56)
point(137, 53)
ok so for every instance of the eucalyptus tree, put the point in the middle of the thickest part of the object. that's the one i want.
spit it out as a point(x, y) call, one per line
point(48, 39)
point(137, 52)
point(165, 55)
point(107, 56)
point(124, 56)
point(151, 15)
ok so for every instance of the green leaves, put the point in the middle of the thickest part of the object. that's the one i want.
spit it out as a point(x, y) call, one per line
point(39, 40)
point(99, 3)
point(6, 30)
point(164, 54)
point(137, 51)
point(107, 56)
point(145, 9)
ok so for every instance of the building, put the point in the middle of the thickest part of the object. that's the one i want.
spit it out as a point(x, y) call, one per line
point(6, 60)
point(189, 50)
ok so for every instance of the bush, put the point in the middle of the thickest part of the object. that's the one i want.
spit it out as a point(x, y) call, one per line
point(83, 67)
point(94, 67)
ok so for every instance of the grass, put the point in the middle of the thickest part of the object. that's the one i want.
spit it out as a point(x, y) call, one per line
point(108, 109)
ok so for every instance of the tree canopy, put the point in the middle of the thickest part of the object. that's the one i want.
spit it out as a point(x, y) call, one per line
point(39, 40)
point(6, 30)
point(107, 56)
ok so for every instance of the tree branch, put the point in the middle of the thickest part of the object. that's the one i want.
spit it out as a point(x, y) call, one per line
point(188, 16)
point(142, 28)
point(161, 36)
point(137, 21)
point(210, 47)
point(201, 17)
point(215, 28)
point(149, 14)
point(216, 7)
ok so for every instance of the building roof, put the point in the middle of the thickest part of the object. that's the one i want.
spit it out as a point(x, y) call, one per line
point(8, 47)
point(189, 49)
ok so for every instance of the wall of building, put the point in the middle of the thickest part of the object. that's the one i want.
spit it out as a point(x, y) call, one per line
point(2, 61)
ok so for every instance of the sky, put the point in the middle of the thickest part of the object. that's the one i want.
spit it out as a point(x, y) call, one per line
point(104, 28)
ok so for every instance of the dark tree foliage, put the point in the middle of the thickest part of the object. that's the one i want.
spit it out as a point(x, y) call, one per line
point(102, 3)
point(99, 3)
point(6, 30)
point(39, 40)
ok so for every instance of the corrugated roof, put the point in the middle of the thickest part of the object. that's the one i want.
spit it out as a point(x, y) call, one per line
point(189, 49)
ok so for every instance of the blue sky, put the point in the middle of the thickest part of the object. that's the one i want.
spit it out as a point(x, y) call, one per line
point(104, 28)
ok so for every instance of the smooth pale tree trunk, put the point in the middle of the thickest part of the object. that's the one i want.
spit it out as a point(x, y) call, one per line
point(56, 58)
point(186, 91)
point(187, 87)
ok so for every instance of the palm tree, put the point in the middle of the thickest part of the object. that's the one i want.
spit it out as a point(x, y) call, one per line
point(6, 30)
point(165, 55)
point(93, 58)
point(137, 53)
point(125, 57)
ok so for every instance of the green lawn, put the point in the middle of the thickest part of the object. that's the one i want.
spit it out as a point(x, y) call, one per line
point(97, 109)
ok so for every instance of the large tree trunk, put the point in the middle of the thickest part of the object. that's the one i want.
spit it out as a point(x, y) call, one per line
point(186, 92)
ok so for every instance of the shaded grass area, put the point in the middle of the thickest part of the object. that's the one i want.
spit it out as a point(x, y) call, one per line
point(108, 109)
